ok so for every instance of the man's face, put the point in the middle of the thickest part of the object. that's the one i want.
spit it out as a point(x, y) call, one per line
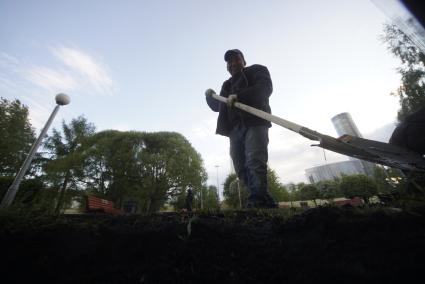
point(235, 64)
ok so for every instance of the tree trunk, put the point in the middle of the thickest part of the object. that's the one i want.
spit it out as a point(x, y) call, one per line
point(61, 197)
point(148, 206)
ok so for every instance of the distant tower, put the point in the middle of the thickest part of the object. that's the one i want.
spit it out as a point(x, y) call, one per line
point(344, 124)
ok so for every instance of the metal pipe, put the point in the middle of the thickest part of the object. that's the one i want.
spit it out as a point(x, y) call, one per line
point(218, 190)
point(369, 150)
point(262, 114)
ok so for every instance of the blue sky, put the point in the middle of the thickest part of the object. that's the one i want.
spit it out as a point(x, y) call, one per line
point(144, 65)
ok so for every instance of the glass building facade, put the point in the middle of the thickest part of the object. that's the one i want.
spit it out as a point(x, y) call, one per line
point(334, 170)
point(344, 124)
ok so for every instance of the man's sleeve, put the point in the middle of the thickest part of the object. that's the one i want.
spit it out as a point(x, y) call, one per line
point(260, 90)
point(213, 103)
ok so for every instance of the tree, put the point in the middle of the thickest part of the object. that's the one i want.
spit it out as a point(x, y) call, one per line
point(309, 192)
point(277, 190)
point(358, 186)
point(64, 167)
point(387, 179)
point(236, 193)
point(292, 190)
point(411, 93)
point(209, 198)
point(328, 189)
point(17, 136)
point(32, 194)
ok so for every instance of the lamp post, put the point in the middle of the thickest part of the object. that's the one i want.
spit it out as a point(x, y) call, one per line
point(218, 187)
point(61, 100)
point(239, 194)
point(202, 202)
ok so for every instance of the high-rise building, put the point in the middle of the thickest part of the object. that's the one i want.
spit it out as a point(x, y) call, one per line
point(344, 124)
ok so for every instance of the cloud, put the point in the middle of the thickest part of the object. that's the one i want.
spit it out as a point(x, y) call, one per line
point(290, 155)
point(6, 84)
point(8, 64)
point(382, 134)
point(8, 61)
point(65, 69)
point(93, 71)
point(38, 112)
point(50, 79)
point(203, 129)
point(77, 71)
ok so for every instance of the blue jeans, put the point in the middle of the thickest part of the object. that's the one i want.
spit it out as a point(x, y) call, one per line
point(248, 149)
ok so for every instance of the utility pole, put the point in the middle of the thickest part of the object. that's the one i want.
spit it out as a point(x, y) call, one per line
point(239, 193)
point(61, 100)
point(202, 202)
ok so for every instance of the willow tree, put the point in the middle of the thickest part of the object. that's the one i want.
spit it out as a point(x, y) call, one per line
point(150, 168)
point(170, 165)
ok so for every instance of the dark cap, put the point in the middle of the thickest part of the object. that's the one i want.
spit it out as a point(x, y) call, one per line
point(231, 53)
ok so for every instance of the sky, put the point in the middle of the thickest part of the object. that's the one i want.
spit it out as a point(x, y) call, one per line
point(145, 65)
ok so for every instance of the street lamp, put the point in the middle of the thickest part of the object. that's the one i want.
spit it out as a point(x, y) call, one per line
point(218, 187)
point(61, 100)
point(239, 194)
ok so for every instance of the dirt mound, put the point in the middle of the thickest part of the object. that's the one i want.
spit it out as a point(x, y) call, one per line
point(338, 244)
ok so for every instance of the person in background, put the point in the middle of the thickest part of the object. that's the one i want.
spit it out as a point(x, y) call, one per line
point(189, 199)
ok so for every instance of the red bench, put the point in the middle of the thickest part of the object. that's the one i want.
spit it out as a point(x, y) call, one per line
point(356, 201)
point(96, 204)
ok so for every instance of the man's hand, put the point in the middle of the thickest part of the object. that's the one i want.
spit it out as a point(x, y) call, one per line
point(209, 92)
point(231, 100)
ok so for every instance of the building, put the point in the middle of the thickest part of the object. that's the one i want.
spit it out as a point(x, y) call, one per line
point(344, 124)
point(334, 170)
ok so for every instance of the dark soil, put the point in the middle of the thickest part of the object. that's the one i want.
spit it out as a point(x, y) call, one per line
point(324, 244)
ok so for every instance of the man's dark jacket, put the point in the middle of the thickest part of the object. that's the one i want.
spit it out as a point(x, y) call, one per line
point(253, 86)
